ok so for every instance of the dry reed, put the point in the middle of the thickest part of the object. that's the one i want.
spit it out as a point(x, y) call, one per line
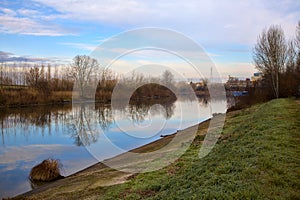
point(48, 170)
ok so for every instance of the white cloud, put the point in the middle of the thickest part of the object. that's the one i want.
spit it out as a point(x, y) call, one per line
point(27, 26)
point(206, 21)
point(8, 12)
point(84, 46)
point(29, 22)
point(28, 12)
point(213, 24)
point(11, 155)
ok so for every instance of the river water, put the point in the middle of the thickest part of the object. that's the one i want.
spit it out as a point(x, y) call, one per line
point(30, 135)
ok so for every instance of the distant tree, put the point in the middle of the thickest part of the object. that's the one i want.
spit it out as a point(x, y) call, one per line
point(298, 47)
point(33, 76)
point(291, 56)
point(291, 76)
point(288, 82)
point(298, 35)
point(48, 72)
point(205, 82)
point(168, 79)
point(297, 72)
point(42, 71)
point(1, 75)
point(83, 71)
point(270, 55)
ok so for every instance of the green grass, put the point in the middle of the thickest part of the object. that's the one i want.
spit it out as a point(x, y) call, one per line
point(257, 157)
point(259, 160)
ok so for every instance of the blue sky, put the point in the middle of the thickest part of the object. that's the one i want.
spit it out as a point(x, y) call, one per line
point(58, 30)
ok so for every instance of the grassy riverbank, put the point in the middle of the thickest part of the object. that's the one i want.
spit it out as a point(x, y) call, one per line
point(257, 157)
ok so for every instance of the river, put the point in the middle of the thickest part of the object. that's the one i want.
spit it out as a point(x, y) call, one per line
point(30, 135)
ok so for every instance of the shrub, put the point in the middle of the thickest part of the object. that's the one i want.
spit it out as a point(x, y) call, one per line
point(48, 170)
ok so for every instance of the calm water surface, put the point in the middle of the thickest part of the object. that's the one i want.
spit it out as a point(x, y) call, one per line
point(30, 135)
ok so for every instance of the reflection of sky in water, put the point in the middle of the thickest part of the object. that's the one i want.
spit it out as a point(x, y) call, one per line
point(17, 161)
point(28, 137)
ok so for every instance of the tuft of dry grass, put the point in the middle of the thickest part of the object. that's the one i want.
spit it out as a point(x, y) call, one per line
point(48, 170)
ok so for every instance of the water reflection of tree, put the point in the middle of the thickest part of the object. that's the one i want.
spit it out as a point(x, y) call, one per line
point(80, 122)
point(169, 110)
point(192, 98)
point(30, 118)
point(204, 100)
point(105, 118)
point(82, 125)
point(138, 112)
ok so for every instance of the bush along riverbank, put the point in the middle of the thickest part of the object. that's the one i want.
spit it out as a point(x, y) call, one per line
point(256, 157)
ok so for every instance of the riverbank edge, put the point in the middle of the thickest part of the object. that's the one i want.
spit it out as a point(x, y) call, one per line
point(70, 103)
point(99, 169)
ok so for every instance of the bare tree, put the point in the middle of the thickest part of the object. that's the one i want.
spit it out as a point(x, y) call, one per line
point(48, 72)
point(168, 79)
point(33, 76)
point(297, 67)
point(83, 71)
point(270, 55)
point(298, 35)
point(1, 75)
point(291, 56)
point(298, 50)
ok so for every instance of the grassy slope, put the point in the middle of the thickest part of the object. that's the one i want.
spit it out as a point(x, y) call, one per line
point(257, 157)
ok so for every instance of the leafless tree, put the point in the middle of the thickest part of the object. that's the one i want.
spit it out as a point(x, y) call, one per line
point(48, 72)
point(168, 79)
point(298, 50)
point(33, 76)
point(298, 35)
point(83, 71)
point(1, 75)
point(291, 56)
point(270, 55)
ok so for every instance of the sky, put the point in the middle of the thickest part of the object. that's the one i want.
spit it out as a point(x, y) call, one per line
point(56, 31)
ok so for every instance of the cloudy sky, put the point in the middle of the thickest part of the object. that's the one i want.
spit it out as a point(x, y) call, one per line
point(58, 30)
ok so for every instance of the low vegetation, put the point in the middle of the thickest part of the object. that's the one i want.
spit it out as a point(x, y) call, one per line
point(48, 170)
point(29, 97)
point(257, 157)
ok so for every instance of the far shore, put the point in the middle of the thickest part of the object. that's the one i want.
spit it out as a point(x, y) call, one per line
point(70, 102)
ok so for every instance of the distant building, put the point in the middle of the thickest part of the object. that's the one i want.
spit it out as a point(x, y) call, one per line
point(257, 77)
point(199, 86)
point(233, 83)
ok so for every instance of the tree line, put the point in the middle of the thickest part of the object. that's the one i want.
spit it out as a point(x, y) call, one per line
point(35, 76)
point(22, 83)
point(279, 61)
